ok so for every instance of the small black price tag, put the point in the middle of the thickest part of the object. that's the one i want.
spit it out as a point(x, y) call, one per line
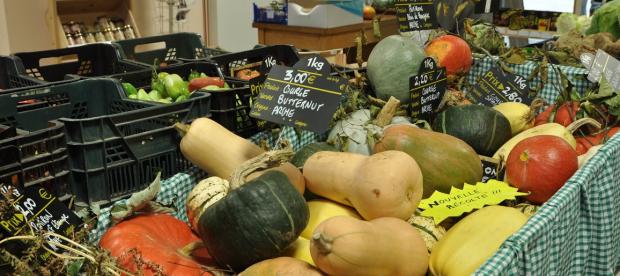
point(299, 97)
point(496, 86)
point(36, 207)
point(415, 15)
point(314, 63)
point(427, 89)
point(491, 169)
point(604, 65)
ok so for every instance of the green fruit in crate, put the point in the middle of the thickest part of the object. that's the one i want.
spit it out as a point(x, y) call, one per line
point(143, 96)
point(180, 98)
point(133, 96)
point(154, 95)
point(175, 86)
point(445, 161)
point(254, 222)
point(390, 64)
point(129, 89)
point(483, 128)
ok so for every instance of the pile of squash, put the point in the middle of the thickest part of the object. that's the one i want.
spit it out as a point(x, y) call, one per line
point(350, 206)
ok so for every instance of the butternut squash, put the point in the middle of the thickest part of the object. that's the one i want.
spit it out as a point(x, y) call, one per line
point(321, 210)
point(281, 266)
point(386, 184)
point(474, 239)
point(383, 246)
point(215, 149)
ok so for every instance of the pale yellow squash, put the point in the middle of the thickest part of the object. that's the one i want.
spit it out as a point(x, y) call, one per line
point(321, 210)
point(300, 249)
point(474, 239)
point(519, 115)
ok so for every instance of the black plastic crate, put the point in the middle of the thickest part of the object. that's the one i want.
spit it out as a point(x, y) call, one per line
point(91, 60)
point(166, 48)
point(230, 108)
point(115, 145)
point(35, 153)
point(13, 74)
point(229, 62)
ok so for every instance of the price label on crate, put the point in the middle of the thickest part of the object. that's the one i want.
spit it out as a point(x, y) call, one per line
point(36, 208)
point(427, 89)
point(604, 65)
point(491, 169)
point(496, 86)
point(415, 15)
point(303, 96)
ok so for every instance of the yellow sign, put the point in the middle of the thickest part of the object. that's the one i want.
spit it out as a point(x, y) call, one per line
point(440, 206)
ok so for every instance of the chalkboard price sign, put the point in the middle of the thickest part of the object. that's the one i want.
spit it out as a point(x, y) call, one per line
point(496, 86)
point(604, 65)
point(297, 97)
point(427, 90)
point(415, 15)
point(38, 209)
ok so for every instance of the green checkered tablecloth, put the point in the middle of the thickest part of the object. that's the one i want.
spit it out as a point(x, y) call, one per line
point(550, 91)
point(577, 232)
point(174, 190)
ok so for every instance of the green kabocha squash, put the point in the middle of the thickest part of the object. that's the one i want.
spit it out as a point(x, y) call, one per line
point(445, 161)
point(254, 222)
point(390, 64)
point(302, 154)
point(483, 128)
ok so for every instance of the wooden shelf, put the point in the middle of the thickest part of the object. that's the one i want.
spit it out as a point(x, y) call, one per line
point(320, 39)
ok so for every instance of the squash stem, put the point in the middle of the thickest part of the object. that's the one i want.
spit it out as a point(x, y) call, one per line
point(581, 122)
point(190, 247)
point(387, 112)
point(323, 243)
point(183, 129)
point(263, 161)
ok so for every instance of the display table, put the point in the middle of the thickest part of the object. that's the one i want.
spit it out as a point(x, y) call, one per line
point(319, 39)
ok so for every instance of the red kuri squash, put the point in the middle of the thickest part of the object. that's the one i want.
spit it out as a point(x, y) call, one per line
point(159, 239)
point(541, 165)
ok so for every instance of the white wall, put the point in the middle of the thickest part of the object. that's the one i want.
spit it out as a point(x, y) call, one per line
point(152, 18)
point(230, 24)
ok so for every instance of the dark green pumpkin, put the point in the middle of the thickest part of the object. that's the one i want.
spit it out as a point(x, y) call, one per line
point(481, 127)
point(254, 222)
point(300, 157)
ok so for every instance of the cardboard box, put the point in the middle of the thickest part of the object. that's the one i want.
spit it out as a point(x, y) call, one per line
point(87, 11)
point(325, 13)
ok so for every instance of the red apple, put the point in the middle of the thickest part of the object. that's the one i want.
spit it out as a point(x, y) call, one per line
point(541, 165)
point(451, 52)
